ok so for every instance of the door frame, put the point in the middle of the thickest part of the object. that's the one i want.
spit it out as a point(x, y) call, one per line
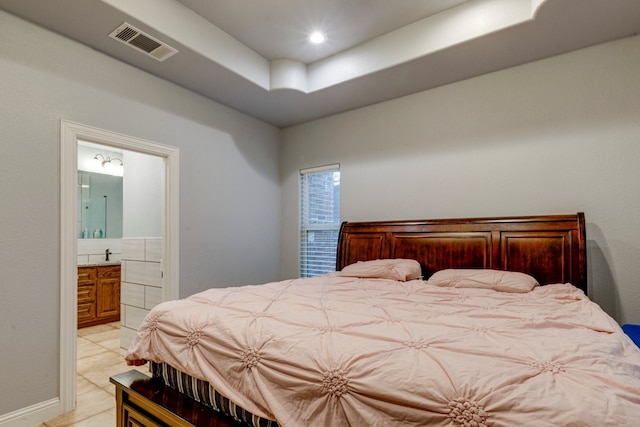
point(70, 133)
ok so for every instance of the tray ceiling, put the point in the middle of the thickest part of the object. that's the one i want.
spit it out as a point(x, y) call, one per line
point(252, 55)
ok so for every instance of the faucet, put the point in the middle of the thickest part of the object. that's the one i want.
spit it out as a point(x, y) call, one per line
point(106, 255)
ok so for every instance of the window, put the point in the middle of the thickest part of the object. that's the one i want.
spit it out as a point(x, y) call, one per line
point(319, 219)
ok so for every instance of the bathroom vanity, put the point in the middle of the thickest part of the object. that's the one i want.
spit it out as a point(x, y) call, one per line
point(98, 294)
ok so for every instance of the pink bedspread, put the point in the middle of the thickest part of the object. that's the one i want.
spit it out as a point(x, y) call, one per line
point(336, 351)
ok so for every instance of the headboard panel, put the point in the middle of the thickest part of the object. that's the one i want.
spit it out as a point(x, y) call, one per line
point(551, 248)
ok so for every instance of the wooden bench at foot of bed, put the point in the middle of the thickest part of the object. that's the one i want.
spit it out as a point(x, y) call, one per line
point(142, 401)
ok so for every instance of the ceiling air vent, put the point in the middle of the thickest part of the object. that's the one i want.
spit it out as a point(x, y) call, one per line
point(130, 35)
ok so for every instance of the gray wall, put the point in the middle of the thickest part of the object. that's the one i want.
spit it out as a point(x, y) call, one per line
point(556, 136)
point(229, 187)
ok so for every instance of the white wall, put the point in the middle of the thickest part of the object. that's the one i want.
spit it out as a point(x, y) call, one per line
point(556, 136)
point(143, 195)
point(229, 187)
point(92, 251)
point(141, 283)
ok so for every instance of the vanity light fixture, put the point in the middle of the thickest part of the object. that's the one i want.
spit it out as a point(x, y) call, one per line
point(101, 158)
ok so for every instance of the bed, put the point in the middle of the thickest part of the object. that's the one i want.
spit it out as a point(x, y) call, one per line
point(455, 322)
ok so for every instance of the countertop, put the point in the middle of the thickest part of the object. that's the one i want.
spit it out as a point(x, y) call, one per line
point(100, 264)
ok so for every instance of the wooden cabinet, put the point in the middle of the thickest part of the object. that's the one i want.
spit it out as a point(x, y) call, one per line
point(98, 295)
point(86, 295)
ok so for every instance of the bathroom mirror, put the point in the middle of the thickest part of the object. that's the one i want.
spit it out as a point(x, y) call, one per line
point(99, 206)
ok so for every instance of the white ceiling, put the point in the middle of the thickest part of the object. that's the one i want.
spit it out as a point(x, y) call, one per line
point(279, 28)
point(252, 55)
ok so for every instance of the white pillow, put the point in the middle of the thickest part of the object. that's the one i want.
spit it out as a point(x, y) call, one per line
point(394, 269)
point(498, 280)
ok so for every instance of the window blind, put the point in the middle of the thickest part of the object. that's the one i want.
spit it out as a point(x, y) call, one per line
point(319, 219)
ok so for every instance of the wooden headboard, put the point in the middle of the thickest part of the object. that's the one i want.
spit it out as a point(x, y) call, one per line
point(551, 248)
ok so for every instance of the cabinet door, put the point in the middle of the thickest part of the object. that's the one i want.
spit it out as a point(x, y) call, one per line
point(108, 303)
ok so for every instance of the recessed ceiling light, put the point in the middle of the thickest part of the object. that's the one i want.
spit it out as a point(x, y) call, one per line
point(317, 37)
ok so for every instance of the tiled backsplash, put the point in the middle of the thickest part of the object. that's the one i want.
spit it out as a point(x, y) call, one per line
point(92, 251)
point(141, 283)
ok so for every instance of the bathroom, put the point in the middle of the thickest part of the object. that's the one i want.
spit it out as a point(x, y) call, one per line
point(119, 230)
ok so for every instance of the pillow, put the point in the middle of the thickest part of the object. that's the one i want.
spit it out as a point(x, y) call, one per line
point(498, 280)
point(394, 269)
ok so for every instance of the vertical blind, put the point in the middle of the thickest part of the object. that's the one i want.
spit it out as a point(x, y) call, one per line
point(319, 219)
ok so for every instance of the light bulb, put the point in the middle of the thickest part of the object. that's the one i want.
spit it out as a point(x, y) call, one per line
point(317, 37)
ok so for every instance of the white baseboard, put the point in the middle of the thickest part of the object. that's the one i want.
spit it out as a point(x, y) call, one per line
point(33, 415)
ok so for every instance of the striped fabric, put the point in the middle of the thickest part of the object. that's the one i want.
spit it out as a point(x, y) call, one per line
point(201, 391)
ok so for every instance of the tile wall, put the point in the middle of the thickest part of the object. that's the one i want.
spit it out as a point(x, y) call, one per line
point(141, 283)
point(92, 251)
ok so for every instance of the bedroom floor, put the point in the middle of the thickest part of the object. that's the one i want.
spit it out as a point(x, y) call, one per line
point(99, 357)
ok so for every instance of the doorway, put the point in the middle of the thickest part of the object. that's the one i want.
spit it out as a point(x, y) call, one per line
point(70, 133)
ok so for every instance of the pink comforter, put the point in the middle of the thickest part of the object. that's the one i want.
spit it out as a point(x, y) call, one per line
point(335, 351)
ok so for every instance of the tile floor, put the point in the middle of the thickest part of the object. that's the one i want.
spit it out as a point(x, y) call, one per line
point(99, 357)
